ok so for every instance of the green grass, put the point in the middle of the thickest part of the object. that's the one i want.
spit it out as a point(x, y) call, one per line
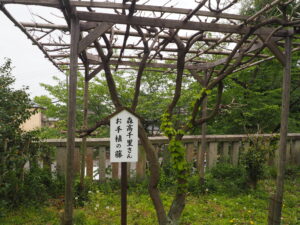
point(207, 209)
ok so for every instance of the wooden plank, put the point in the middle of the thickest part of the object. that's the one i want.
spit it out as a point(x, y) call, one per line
point(93, 35)
point(51, 3)
point(212, 154)
point(109, 5)
point(102, 163)
point(151, 8)
point(174, 24)
point(273, 48)
point(95, 60)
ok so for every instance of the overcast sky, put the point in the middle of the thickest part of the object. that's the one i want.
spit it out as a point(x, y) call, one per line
point(30, 66)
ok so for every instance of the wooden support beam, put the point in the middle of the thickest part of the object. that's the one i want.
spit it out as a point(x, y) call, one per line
point(273, 48)
point(23, 29)
point(110, 5)
point(94, 73)
point(93, 59)
point(93, 35)
point(152, 8)
point(75, 33)
point(50, 3)
point(174, 24)
point(276, 202)
point(237, 55)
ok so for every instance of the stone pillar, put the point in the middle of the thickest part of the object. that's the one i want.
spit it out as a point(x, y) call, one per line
point(115, 170)
point(235, 152)
point(212, 154)
point(141, 164)
point(296, 152)
point(102, 163)
point(190, 152)
point(89, 162)
point(76, 161)
point(61, 160)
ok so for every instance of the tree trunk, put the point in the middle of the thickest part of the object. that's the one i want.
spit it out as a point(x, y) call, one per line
point(154, 177)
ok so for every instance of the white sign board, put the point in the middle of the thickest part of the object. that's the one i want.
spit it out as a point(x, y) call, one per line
point(124, 137)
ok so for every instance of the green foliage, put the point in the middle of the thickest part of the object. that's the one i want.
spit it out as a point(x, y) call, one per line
point(225, 178)
point(176, 149)
point(18, 185)
point(254, 158)
point(210, 208)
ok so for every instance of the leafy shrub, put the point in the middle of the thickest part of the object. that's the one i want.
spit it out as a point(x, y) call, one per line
point(35, 187)
point(254, 158)
point(225, 178)
point(292, 171)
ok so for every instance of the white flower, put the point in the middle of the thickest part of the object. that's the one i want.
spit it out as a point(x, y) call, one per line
point(89, 192)
point(206, 189)
point(76, 198)
point(97, 191)
point(97, 205)
point(107, 207)
point(113, 209)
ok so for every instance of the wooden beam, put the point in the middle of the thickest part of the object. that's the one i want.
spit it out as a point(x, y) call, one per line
point(273, 48)
point(174, 24)
point(93, 35)
point(152, 8)
point(23, 29)
point(75, 33)
point(94, 59)
point(274, 217)
point(94, 72)
point(50, 3)
point(223, 60)
point(110, 5)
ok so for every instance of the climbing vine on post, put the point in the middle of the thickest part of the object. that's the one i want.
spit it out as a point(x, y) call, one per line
point(176, 149)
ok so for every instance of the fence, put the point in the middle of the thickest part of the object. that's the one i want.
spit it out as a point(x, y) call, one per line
point(227, 147)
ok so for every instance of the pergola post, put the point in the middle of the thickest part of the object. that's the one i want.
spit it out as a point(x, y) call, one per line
point(75, 32)
point(84, 126)
point(276, 201)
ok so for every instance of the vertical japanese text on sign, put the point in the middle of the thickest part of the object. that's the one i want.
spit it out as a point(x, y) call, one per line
point(124, 137)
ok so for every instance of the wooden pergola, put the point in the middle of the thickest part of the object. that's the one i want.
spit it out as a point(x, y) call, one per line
point(153, 35)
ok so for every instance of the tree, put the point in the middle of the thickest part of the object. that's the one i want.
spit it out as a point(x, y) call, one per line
point(16, 146)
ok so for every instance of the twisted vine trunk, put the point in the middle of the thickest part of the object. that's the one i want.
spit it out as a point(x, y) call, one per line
point(154, 177)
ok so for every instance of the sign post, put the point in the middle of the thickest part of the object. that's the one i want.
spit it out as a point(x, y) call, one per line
point(123, 149)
